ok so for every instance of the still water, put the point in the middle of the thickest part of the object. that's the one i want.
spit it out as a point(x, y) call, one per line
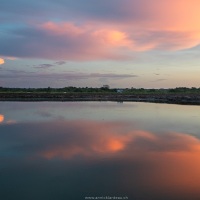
point(99, 150)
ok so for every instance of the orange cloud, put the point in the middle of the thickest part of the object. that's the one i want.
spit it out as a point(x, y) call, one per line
point(1, 118)
point(94, 35)
point(93, 42)
point(114, 33)
point(173, 15)
point(113, 38)
point(141, 26)
point(2, 61)
point(165, 25)
point(85, 42)
point(166, 40)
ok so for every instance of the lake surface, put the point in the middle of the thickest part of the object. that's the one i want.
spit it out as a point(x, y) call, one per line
point(81, 150)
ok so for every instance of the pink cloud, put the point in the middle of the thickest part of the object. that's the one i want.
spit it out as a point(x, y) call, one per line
point(113, 41)
point(116, 33)
point(68, 29)
point(103, 37)
point(87, 42)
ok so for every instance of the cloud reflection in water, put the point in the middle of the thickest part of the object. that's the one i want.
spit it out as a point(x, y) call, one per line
point(101, 158)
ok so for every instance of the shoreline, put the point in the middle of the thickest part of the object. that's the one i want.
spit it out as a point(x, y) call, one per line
point(184, 99)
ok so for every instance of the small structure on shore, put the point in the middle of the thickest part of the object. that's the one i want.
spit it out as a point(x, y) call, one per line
point(120, 90)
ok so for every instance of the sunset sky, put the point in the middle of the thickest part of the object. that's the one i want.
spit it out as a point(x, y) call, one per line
point(89, 43)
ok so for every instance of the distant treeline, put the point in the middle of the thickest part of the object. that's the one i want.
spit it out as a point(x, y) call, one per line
point(106, 89)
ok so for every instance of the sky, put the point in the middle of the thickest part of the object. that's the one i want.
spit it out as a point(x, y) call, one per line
point(90, 43)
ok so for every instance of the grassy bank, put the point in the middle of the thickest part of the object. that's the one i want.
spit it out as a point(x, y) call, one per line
point(102, 90)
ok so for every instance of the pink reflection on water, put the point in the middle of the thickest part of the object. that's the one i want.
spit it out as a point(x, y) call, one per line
point(89, 138)
point(165, 164)
point(1, 118)
point(167, 161)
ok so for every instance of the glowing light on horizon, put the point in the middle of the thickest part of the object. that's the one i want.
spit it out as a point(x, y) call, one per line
point(2, 61)
point(1, 118)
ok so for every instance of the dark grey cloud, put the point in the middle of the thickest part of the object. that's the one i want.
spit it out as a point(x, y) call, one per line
point(64, 75)
point(13, 71)
point(44, 66)
point(44, 113)
point(15, 78)
point(47, 65)
point(60, 62)
point(159, 80)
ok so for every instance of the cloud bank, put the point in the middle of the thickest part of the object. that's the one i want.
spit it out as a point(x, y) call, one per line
point(102, 30)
